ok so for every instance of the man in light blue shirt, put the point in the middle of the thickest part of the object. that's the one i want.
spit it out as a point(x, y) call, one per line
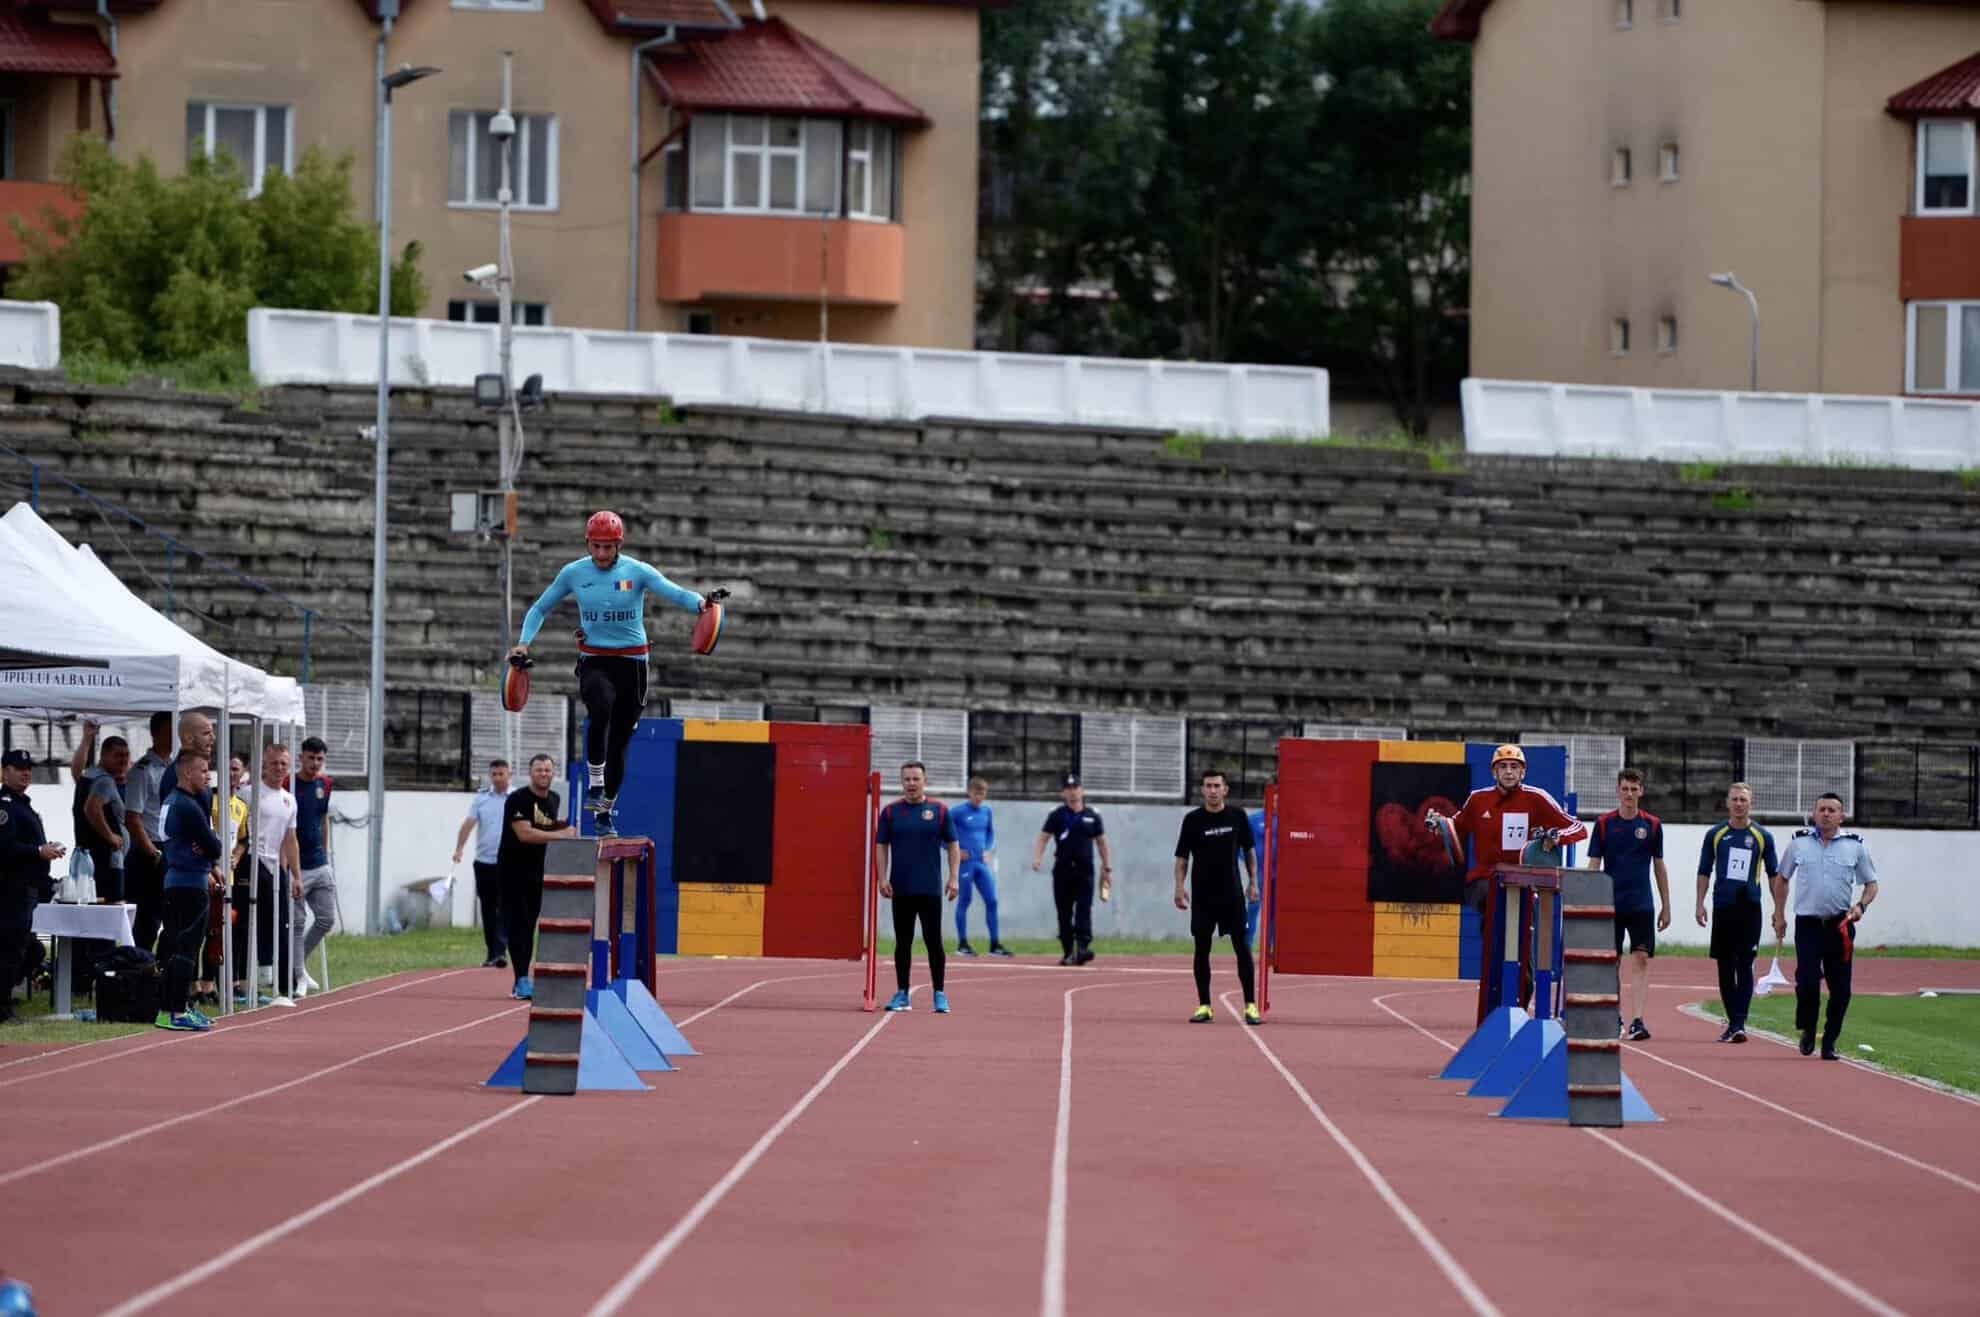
point(1830, 864)
point(484, 819)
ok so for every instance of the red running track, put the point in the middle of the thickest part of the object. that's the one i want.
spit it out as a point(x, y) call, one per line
point(1062, 1144)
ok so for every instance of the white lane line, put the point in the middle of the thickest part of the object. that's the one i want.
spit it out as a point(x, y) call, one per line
point(130, 1136)
point(1858, 1140)
point(1453, 1270)
point(1826, 1275)
point(56, 1051)
point(616, 1298)
point(272, 1017)
point(1052, 1287)
point(744, 992)
point(220, 1262)
point(1382, 1003)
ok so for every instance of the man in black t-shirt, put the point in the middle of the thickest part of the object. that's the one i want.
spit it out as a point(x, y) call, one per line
point(1212, 839)
point(530, 822)
point(1077, 830)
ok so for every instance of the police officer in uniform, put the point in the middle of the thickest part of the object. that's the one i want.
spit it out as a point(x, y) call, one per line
point(1831, 864)
point(1077, 830)
point(25, 854)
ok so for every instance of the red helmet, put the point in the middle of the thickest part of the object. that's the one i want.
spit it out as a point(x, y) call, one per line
point(605, 526)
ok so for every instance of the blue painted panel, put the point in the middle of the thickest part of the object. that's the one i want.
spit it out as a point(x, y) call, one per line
point(646, 809)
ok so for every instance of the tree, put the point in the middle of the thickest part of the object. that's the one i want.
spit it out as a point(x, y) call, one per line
point(156, 269)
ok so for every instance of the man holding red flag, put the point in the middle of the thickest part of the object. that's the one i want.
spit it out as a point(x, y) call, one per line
point(1500, 820)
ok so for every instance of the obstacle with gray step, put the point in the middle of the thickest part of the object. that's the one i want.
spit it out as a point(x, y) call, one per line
point(586, 1037)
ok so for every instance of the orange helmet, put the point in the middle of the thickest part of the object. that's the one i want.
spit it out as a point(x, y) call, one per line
point(605, 526)
point(1509, 753)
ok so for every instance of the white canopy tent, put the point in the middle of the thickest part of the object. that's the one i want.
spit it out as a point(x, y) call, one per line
point(61, 600)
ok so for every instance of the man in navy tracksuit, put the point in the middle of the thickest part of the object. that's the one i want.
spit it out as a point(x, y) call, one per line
point(191, 849)
point(1076, 830)
point(915, 837)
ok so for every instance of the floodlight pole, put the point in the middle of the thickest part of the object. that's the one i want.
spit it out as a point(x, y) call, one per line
point(505, 303)
point(381, 437)
point(1731, 280)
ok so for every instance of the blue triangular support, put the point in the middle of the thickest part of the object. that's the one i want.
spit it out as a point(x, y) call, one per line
point(1535, 1039)
point(1485, 1043)
point(1544, 1095)
point(601, 1065)
point(509, 1073)
point(641, 1052)
point(1637, 1111)
point(646, 1013)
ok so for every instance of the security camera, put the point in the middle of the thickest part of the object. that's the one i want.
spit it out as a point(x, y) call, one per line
point(481, 273)
point(502, 126)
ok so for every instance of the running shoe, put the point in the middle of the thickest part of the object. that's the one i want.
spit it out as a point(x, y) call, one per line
point(1203, 1015)
point(1085, 955)
point(595, 802)
point(999, 949)
point(524, 990)
point(608, 819)
point(941, 1003)
point(1252, 1014)
point(1738, 1036)
point(1725, 1035)
point(899, 1002)
point(1829, 1052)
point(184, 1022)
point(200, 1015)
point(1808, 1042)
point(965, 949)
point(495, 962)
point(1066, 959)
point(1637, 1033)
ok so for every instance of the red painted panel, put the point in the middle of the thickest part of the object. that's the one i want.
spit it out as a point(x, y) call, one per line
point(1342, 942)
point(1325, 923)
point(818, 864)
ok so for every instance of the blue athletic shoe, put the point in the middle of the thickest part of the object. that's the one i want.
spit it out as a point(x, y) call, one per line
point(941, 1003)
point(184, 1022)
point(594, 800)
point(608, 820)
point(900, 1002)
point(525, 990)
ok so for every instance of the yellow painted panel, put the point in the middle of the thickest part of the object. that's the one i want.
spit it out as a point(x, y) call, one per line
point(1403, 944)
point(1404, 917)
point(1421, 752)
point(710, 729)
point(723, 896)
point(719, 944)
point(1416, 967)
point(737, 922)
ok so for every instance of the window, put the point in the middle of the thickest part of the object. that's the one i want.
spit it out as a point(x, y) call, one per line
point(699, 321)
point(475, 161)
point(1619, 167)
point(762, 163)
point(489, 312)
point(1667, 162)
point(1625, 12)
point(258, 137)
point(6, 139)
point(1667, 334)
point(1619, 336)
point(1124, 754)
point(1673, 10)
point(513, 6)
point(1945, 166)
point(870, 171)
point(674, 178)
point(1943, 348)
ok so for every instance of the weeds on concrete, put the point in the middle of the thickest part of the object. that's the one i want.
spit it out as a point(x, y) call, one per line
point(222, 371)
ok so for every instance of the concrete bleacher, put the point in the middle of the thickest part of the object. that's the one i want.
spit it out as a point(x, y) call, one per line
point(1015, 568)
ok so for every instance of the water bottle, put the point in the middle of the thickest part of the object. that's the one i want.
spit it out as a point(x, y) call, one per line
point(81, 872)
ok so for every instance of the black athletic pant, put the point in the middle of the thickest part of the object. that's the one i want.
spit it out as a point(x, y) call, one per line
point(266, 949)
point(144, 886)
point(613, 688)
point(1735, 943)
point(488, 891)
point(1072, 892)
point(522, 902)
point(181, 938)
point(16, 922)
point(1247, 976)
point(1824, 948)
point(927, 909)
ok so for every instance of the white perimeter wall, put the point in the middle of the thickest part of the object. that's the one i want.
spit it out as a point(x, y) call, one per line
point(1250, 402)
point(1686, 425)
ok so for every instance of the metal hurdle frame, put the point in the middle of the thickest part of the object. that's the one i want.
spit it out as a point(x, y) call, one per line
point(1268, 882)
point(871, 915)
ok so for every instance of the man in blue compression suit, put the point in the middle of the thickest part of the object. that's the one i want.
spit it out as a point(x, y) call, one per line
point(976, 832)
point(611, 591)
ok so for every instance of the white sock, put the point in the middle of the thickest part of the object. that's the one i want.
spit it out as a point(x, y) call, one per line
point(597, 775)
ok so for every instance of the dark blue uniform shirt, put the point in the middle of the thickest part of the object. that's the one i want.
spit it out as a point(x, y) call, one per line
point(1074, 830)
point(917, 834)
point(1626, 848)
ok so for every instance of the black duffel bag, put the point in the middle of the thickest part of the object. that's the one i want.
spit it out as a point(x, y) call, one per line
point(129, 986)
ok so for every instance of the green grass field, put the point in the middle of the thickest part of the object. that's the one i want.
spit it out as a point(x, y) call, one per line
point(1935, 1038)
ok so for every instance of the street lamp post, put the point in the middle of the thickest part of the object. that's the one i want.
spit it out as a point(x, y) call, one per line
point(1731, 280)
point(381, 432)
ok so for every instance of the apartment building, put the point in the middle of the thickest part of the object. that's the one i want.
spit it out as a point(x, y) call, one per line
point(782, 168)
point(1624, 151)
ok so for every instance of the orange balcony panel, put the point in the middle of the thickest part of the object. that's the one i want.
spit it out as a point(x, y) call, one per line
point(29, 200)
point(1939, 258)
point(779, 258)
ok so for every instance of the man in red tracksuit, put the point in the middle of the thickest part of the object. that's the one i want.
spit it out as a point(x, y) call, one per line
point(1499, 820)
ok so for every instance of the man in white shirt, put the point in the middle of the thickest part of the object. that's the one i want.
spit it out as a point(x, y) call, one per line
point(484, 820)
point(278, 873)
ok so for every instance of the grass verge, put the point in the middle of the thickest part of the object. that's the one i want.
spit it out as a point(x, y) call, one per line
point(1936, 1038)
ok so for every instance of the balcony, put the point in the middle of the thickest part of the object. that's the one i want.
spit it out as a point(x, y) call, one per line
point(29, 200)
point(1939, 258)
point(708, 256)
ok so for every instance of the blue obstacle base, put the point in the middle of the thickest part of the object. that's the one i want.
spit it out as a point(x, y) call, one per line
point(625, 1032)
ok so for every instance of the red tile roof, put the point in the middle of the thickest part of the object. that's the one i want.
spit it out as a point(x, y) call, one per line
point(1954, 90)
point(772, 68)
point(68, 49)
